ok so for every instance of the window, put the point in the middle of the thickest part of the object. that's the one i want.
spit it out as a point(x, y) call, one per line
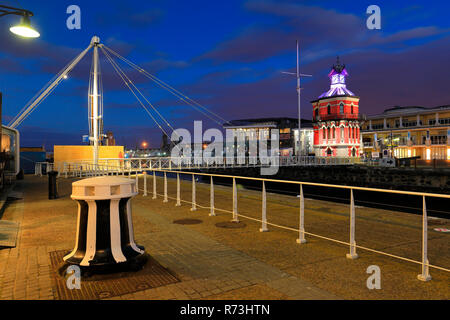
point(342, 133)
point(341, 108)
point(334, 132)
point(351, 109)
point(329, 109)
point(324, 134)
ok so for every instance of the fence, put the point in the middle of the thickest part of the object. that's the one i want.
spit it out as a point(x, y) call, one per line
point(87, 170)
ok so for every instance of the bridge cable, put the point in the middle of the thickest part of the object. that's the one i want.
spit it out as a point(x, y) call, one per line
point(194, 104)
point(127, 82)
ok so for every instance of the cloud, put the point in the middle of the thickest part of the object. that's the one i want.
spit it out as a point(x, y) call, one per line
point(320, 31)
point(123, 15)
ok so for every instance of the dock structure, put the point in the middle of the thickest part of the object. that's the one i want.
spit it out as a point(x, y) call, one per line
point(213, 262)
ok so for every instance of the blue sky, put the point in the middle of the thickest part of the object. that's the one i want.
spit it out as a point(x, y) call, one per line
point(225, 54)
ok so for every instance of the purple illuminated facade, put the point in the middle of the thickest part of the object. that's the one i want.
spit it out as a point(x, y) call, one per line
point(336, 119)
point(337, 77)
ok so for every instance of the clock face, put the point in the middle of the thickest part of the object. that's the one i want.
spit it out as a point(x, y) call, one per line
point(335, 79)
point(338, 78)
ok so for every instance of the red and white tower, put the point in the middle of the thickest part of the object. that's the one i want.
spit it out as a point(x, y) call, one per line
point(336, 118)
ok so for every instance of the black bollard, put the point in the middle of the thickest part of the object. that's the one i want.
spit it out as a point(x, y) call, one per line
point(52, 187)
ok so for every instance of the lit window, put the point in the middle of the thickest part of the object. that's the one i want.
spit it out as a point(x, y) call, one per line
point(428, 154)
point(448, 154)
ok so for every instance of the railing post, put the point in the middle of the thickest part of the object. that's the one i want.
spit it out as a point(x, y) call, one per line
point(145, 184)
point(154, 185)
point(194, 205)
point(264, 209)
point(352, 254)
point(178, 191)
point(165, 187)
point(301, 236)
point(212, 213)
point(235, 212)
point(425, 275)
point(137, 182)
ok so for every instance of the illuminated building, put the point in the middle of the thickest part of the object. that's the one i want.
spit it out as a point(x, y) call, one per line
point(288, 129)
point(336, 118)
point(405, 132)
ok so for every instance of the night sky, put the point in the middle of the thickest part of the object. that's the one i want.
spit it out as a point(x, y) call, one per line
point(227, 55)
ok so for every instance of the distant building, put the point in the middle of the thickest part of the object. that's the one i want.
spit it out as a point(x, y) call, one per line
point(110, 140)
point(336, 118)
point(288, 128)
point(404, 132)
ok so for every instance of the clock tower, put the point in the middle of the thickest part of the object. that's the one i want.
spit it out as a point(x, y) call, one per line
point(336, 118)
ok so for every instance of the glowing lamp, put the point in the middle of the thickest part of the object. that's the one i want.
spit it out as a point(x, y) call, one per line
point(24, 29)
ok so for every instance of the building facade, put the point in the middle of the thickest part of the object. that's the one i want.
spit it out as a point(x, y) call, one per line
point(404, 132)
point(336, 118)
point(288, 129)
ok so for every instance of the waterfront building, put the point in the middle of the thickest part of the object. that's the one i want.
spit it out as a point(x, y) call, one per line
point(404, 132)
point(288, 129)
point(336, 120)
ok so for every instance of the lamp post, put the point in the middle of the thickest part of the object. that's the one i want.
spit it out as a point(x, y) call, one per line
point(23, 29)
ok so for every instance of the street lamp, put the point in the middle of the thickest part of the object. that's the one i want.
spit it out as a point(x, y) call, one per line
point(24, 28)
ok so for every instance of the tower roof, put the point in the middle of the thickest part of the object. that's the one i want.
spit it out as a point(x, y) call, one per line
point(337, 77)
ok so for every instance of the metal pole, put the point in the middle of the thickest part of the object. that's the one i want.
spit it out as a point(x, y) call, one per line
point(95, 103)
point(352, 254)
point(145, 184)
point(211, 197)
point(235, 212)
point(154, 185)
point(178, 191)
point(425, 276)
point(298, 97)
point(137, 181)
point(301, 238)
point(194, 205)
point(264, 208)
point(165, 187)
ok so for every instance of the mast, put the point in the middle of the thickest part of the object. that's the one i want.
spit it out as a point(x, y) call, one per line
point(95, 100)
point(298, 96)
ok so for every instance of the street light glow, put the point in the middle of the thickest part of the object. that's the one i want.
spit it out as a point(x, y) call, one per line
point(24, 29)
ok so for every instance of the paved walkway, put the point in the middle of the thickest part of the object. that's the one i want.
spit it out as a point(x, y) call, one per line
point(207, 269)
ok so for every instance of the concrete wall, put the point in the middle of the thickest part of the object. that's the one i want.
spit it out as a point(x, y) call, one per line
point(421, 180)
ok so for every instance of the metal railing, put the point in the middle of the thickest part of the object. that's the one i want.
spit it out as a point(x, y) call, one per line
point(226, 162)
point(39, 168)
point(84, 169)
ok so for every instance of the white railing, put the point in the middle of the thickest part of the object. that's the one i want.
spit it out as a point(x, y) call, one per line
point(40, 166)
point(205, 163)
point(87, 170)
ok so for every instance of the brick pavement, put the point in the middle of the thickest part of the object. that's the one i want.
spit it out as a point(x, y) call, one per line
point(207, 268)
